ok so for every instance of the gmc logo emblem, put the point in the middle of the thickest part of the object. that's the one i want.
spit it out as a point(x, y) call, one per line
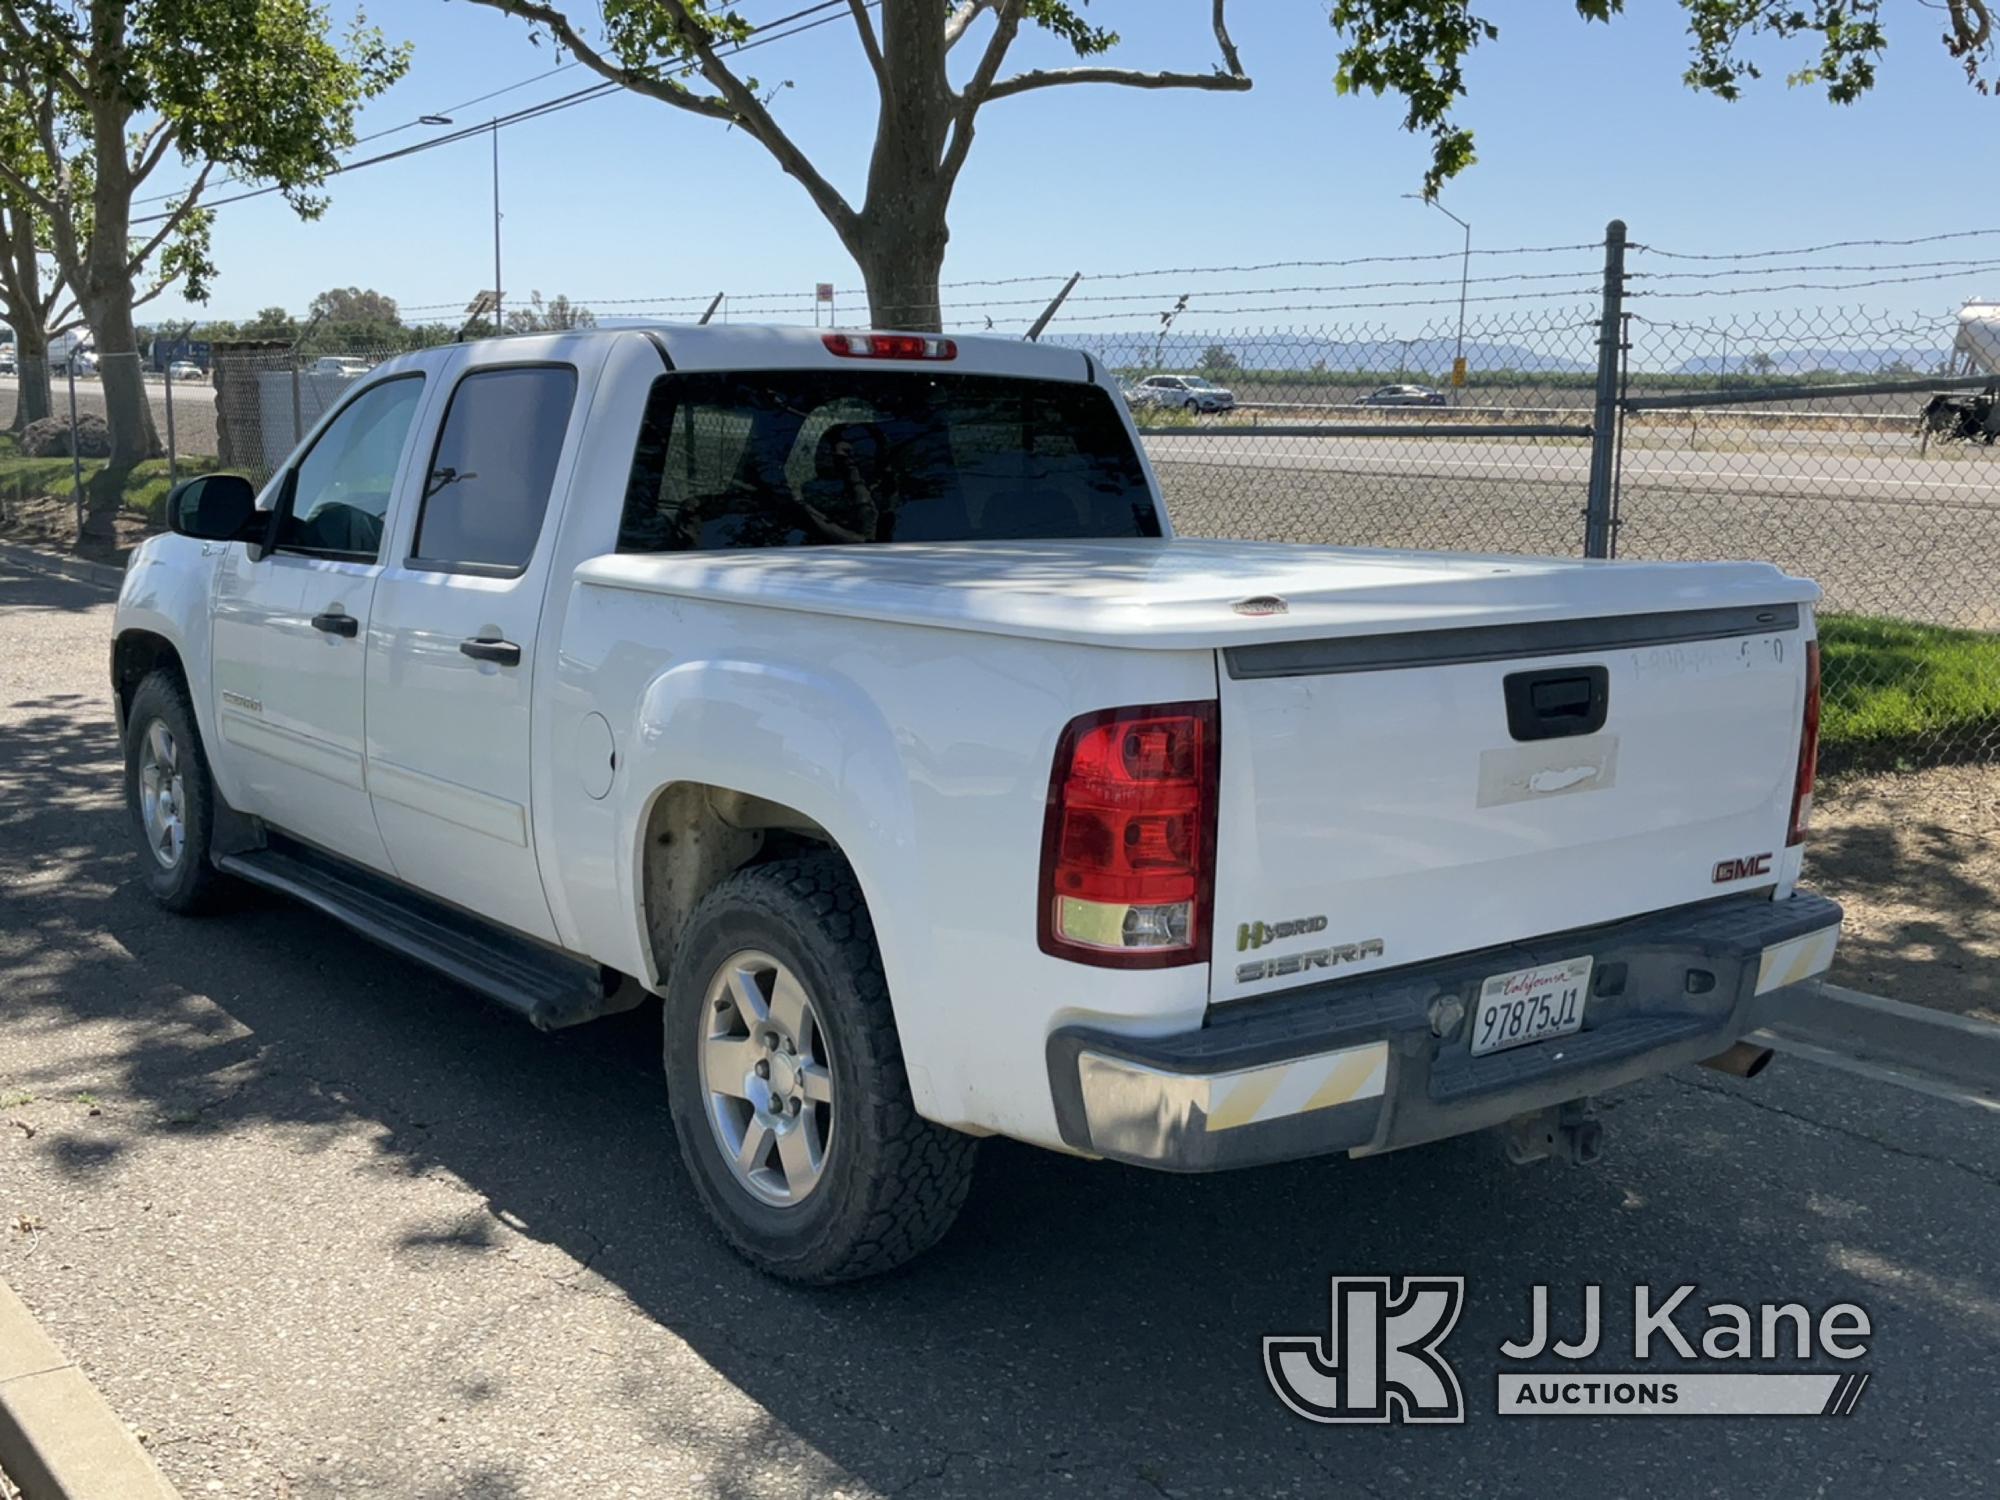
point(1742, 869)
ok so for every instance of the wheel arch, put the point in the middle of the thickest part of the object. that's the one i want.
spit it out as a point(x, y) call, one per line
point(137, 653)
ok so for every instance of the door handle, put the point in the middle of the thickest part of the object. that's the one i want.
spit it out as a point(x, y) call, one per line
point(337, 624)
point(484, 648)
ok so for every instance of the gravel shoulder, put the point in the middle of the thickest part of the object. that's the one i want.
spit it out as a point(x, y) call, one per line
point(1915, 858)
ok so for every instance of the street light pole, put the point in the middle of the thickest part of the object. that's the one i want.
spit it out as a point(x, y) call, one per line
point(499, 321)
point(1464, 276)
point(499, 325)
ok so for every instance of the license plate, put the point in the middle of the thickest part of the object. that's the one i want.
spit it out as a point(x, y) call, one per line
point(1530, 1005)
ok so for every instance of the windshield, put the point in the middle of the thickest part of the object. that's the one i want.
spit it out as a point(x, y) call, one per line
point(1199, 384)
point(813, 458)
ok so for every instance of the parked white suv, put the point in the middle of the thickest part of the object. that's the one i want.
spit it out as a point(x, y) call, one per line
point(851, 693)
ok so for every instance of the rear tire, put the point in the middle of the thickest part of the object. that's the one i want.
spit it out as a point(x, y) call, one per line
point(171, 796)
point(786, 1083)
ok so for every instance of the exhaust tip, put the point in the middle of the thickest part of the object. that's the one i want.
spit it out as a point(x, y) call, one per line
point(1744, 1060)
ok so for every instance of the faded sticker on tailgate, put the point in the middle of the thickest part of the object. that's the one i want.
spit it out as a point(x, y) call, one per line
point(1547, 768)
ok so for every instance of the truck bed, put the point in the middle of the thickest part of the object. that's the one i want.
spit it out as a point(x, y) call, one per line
point(1181, 593)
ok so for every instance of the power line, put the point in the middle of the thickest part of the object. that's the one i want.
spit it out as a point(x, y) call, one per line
point(761, 36)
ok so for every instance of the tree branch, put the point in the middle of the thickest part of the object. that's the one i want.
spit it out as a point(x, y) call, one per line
point(41, 55)
point(979, 88)
point(1230, 77)
point(152, 148)
point(26, 188)
point(1129, 78)
point(153, 291)
point(572, 40)
point(173, 221)
point(869, 44)
point(737, 104)
point(961, 19)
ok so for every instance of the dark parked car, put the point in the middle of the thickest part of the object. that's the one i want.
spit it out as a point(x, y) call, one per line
point(1403, 395)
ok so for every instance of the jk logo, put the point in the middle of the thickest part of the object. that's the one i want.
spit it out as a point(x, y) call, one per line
point(1380, 1360)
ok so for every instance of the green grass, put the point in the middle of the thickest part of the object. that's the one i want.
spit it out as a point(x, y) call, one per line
point(1896, 692)
point(144, 490)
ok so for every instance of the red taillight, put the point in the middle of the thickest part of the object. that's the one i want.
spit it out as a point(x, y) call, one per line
point(1128, 844)
point(889, 346)
point(1802, 786)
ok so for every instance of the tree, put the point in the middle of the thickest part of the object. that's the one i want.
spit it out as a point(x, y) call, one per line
point(1760, 363)
point(35, 305)
point(271, 323)
point(1216, 360)
point(1417, 48)
point(557, 314)
point(353, 305)
point(680, 52)
point(924, 123)
point(114, 87)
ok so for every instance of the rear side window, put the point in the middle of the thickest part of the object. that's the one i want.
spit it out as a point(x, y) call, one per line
point(816, 458)
point(489, 481)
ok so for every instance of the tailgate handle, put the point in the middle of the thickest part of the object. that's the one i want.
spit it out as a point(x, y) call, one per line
point(1563, 701)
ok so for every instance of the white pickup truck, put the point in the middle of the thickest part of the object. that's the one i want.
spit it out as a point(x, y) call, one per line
point(852, 693)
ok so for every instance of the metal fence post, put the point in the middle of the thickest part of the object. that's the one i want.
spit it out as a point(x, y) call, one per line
point(75, 445)
point(173, 469)
point(298, 414)
point(1606, 416)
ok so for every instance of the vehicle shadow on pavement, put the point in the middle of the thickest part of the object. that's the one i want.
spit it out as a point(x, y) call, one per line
point(20, 590)
point(1084, 1324)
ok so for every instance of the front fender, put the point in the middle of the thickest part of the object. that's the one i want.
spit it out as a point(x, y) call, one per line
point(166, 592)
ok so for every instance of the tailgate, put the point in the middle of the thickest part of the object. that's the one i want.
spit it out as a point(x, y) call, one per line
point(1387, 799)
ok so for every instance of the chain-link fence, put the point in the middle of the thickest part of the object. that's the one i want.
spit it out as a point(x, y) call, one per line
point(1348, 434)
point(1581, 400)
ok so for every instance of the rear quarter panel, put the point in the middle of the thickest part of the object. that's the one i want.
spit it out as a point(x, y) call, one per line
point(926, 755)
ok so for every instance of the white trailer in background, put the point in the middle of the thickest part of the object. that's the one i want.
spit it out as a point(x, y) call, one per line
point(1976, 350)
point(1970, 416)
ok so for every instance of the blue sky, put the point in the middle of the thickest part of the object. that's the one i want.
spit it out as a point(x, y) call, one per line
point(627, 198)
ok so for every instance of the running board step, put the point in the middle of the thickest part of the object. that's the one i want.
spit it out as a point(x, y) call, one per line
point(549, 989)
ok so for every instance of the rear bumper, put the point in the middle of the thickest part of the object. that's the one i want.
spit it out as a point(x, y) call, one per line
point(1353, 1065)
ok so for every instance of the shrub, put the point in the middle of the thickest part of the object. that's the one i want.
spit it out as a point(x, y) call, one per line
point(49, 437)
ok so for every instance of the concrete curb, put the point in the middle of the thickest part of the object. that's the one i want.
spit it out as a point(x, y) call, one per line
point(1932, 1044)
point(58, 1438)
point(35, 560)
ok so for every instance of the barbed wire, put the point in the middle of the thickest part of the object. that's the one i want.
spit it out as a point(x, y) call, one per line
point(1979, 263)
point(1926, 239)
point(1790, 286)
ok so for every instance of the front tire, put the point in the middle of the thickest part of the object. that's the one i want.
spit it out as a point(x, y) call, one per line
point(171, 796)
point(786, 1083)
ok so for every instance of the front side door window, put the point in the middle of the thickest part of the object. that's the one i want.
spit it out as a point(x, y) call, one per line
point(339, 493)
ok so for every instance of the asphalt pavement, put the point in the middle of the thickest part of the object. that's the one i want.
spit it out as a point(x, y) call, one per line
point(320, 1224)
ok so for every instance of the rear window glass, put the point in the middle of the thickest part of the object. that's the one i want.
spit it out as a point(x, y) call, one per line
point(815, 458)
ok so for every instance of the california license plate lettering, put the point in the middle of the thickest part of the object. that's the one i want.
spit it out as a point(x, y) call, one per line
point(1530, 1005)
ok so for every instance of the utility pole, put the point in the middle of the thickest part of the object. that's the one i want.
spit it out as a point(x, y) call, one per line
point(1464, 276)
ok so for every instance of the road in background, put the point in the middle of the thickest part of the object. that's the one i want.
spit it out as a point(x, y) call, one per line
point(319, 1223)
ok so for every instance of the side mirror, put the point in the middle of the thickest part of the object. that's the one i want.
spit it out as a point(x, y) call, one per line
point(216, 508)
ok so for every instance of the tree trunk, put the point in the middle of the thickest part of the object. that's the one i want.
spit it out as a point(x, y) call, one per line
point(105, 287)
point(900, 264)
point(127, 408)
point(31, 365)
point(898, 238)
point(21, 304)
